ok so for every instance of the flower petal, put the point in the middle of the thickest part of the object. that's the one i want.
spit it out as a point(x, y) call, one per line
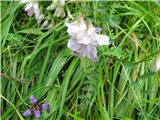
point(24, 1)
point(158, 64)
point(76, 26)
point(59, 12)
point(102, 39)
point(33, 100)
point(62, 2)
point(39, 18)
point(92, 53)
point(37, 113)
point(91, 29)
point(27, 113)
point(83, 50)
point(45, 24)
point(36, 9)
point(46, 107)
point(29, 9)
point(73, 45)
point(84, 39)
point(28, 6)
point(98, 29)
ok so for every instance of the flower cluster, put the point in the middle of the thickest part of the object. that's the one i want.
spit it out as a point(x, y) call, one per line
point(84, 38)
point(37, 108)
point(32, 8)
point(57, 5)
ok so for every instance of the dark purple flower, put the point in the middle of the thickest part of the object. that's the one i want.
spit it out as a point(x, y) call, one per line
point(27, 113)
point(37, 113)
point(36, 108)
point(46, 107)
point(33, 100)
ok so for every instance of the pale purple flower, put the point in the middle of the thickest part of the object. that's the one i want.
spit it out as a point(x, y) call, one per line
point(46, 107)
point(29, 8)
point(37, 113)
point(32, 8)
point(27, 113)
point(33, 100)
point(36, 108)
point(98, 29)
point(84, 38)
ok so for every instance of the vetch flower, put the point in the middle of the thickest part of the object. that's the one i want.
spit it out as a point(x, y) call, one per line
point(27, 113)
point(36, 108)
point(59, 12)
point(158, 64)
point(53, 5)
point(32, 8)
point(85, 38)
point(45, 24)
point(24, 1)
point(37, 113)
point(155, 65)
point(57, 5)
point(46, 107)
point(33, 100)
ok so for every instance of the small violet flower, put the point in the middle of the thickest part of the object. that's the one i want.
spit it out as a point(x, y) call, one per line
point(27, 113)
point(84, 38)
point(46, 107)
point(33, 100)
point(36, 108)
point(37, 113)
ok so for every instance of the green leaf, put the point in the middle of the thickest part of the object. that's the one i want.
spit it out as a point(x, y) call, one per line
point(36, 31)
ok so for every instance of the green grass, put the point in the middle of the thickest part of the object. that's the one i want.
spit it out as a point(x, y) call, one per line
point(119, 87)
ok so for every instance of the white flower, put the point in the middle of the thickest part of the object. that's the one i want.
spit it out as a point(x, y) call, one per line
point(39, 18)
point(62, 2)
point(57, 5)
point(53, 5)
point(84, 38)
point(46, 25)
point(24, 1)
point(29, 8)
point(155, 64)
point(32, 8)
point(59, 12)
point(158, 64)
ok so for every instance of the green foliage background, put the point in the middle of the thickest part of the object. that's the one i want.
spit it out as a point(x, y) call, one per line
point(37, 62)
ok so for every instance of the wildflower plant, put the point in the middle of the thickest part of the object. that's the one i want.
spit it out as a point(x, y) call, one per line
point(58, 6)
point(36, 108)
point(32, 8)
point(84, 38)
point(42, 42)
